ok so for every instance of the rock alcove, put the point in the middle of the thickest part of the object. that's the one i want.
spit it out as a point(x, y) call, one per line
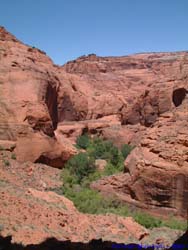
point(178, 96)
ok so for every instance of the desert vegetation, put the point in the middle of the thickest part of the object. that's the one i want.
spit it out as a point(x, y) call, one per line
point(80, 171)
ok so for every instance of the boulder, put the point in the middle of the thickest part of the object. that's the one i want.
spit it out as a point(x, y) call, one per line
point(100, 164)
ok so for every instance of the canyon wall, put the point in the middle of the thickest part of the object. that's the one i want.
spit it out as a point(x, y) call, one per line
point(139, 99)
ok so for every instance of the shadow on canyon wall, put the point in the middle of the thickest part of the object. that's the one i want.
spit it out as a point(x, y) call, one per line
point(54, 244)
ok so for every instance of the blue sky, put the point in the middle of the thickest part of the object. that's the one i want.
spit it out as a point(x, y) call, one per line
point(67, 29)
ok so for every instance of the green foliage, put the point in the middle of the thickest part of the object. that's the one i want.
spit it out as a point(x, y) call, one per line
point(80, 171)
point(69, 180)
point(110, 169)
point(13, 156)
point(96, 149)
point(86, 200)
point(100, 149)
point(81, 168)
point(92, 202)
point(1, 148)
point(83, 141)
point(175, 224)
point(150, 222)
point(96, 175)
point(147, 220)
point(6, 162)
point(80, 165)
point(115, 155)
point(126, 149)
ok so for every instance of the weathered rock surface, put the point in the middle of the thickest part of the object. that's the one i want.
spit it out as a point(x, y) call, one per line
point(30, 213)
point(139, 88)
point(74, 129)
point(28, 102)
point(156, 170)
point(36, 95)
point(139, 99)
point(148, 91)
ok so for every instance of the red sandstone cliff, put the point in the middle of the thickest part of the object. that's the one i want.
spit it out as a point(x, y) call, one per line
point(139, 99)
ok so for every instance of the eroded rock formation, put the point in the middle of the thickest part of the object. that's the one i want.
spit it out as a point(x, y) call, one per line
point(139, 99)
point(29, 103)
point(30, 213)
point(156, 170)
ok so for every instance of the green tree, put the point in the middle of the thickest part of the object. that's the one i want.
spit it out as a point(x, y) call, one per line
point(83, 141)
point(126, 149)
point(80, 165)
point(115, 156)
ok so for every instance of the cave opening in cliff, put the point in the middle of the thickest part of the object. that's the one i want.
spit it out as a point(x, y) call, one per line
point(178, 96)
point(56, 162)
point(51, 102)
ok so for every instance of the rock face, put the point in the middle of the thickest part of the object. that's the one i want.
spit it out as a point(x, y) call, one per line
point(28, 102)
point(37, 96)
point(149, 93)
point(156, 170)
point(30, 213)
point(74, 129)
point(139, 88)
point(139, 99)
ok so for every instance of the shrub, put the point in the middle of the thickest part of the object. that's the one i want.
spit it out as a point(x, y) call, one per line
point(87, 200)
point(110, 169)
point(114, 159)
point(176, 224)
point(80, 171)
point(90, 201)
point(83, 141)
point(147, 220)
point(82, 168)
point(13, 156)
point(6, 162)
point(97, 149)
point(126, 149)
point(69, 180)
point(100, 149)
point(80, 165)
point(96, 175)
